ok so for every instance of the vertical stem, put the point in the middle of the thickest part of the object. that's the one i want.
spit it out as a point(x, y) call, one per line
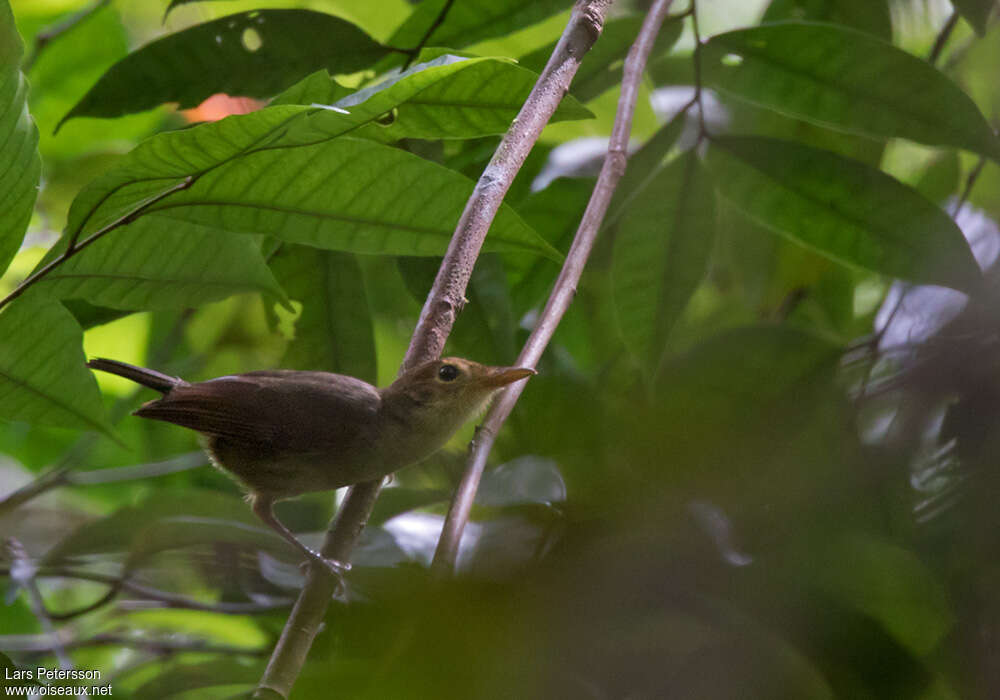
point(562, 293)
point(436, 319)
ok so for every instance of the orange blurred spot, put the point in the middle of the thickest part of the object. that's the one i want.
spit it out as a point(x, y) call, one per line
point(219, 106)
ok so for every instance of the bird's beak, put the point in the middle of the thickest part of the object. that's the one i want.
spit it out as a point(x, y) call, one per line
point(502, 376)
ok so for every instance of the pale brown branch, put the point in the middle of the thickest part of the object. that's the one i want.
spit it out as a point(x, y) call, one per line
point(562, 293)
point(436, 319)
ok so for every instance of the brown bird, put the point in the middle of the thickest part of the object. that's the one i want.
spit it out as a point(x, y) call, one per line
point(283, 433)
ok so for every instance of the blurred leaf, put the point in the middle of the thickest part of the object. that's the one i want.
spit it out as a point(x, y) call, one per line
point(643, 165)
point(526, 480)
point(602, 66)
point(756, 366)
point(159, 264)
point(448, 97)
point(555, 213)
point(940, 178)
point(661, 253)
point(89, 316)
point(870, 16)
point(975, 12)
point(11, 671)
point(43, 373)
point(398, 500)
point(20, 166)
point(183, 531)
point(249, 174)
point(119, 531)
point(469, 21)
point(250, 54)
point(842, 208)
point(886, 582)
point(334, 332)
point(845, 79)
point(176, 678)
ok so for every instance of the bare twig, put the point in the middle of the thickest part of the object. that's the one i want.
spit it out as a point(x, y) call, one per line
point(118, 583)
point(48, 642)
point(65, 476)
point(415, 51)
point(436, 319)
point(942, 38)
point(47, 35)
point(563, 291)
point(970, 182)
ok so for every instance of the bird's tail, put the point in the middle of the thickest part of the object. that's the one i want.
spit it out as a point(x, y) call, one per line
point(147, 377)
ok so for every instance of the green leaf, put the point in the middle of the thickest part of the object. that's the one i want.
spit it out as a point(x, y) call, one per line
point(870, 16)
point(975, 12)
point(842, 208)
point(121, 530)
point(449, 97)
point(281, 172)
point(178, 679)
point(660, 255)
point(643, 165)
point(940, 178)
point(846, 80)
point(334, 332)
point(601, 67)
point(43, 375)
point(255, 54)
point(156, 263)
point(886, 582)
point(469, 21)
point(183, 531)
point(20, 166)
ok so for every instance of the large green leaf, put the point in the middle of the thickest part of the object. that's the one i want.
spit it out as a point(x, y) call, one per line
point(660, 255)
point(870, 16)
point(344, 194)
point(842, 208)
point(449, 97)
point(975, 12)
point(469, 21)
point(282, 171)
point(601, 68)
point(179, 679)
point(334, 331)
point(20, 166)
point(43, 376)
point(255, 54)
point(847, 80)
point(158, 264)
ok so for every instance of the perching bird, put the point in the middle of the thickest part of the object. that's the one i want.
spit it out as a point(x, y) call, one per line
point(283, 433)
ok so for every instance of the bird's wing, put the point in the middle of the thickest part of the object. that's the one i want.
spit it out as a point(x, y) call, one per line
point(298, 411)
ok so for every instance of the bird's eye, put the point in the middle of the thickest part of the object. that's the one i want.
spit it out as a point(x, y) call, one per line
point(448, 373)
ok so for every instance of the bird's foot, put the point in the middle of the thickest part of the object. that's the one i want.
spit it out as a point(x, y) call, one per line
point(334, 567)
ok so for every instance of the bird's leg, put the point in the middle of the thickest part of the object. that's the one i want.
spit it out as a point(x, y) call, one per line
point(263, 506)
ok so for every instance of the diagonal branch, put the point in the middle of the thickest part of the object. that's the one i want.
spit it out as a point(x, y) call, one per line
point(562, 293)
point(436, 319)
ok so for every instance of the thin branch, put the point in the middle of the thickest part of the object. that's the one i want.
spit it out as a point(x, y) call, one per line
point(438, 21)
point(563, 291)
point(63, 475)
point(49, 642)
point(49, 34)
point(436, 319)
point(942, 38)
point(75, 247)
point(164, 599)
point(970, 182)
